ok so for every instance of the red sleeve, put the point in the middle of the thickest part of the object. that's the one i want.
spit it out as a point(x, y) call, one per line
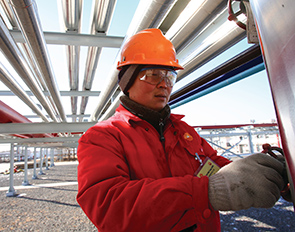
point(113, 202)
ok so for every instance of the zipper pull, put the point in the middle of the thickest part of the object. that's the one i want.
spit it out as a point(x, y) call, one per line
point(161, 124)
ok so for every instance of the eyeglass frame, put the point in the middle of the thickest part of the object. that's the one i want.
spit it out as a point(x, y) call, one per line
point(167, 80)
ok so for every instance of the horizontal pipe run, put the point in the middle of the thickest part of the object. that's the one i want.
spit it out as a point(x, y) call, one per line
point(36, 141)
point(271, 132)
point(218, 86)
point(237, 61)
point(62, 93)
point(37, 128)
point(233, 126)
point(68, 116)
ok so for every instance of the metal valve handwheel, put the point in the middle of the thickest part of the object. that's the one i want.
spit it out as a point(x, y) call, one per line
point(233, 16)
point(268, 149)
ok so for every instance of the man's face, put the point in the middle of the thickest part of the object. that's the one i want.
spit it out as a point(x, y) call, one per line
point(151, 96)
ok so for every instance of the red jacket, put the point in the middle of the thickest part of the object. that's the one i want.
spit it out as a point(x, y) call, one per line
point(127, 180)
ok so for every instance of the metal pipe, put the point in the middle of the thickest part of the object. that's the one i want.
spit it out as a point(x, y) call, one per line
point(197, 21)
point(110, 111)
point(211, 52)
point(62, 93)
point(233, 63)
point(219, 35)
point(9, 116)
point(35, 165)
point(250, 141)
point(34, 67)
point(73, 56)
point(26, 182)
point(52, 157)
point(46, 160)
point(154, 12)
point(233, 79)
point(14, 56)
point(11, 191)
point(29, 23)
point(41, 162)
point(30, 61)
point(9, 14)
point(11, 83)
point(72, 10)
point(102, 14)
point(13, 22)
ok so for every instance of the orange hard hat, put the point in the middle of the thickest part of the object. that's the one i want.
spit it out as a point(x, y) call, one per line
point(149, 47)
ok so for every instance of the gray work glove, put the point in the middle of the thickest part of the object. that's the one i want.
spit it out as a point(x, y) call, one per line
point(255, 181)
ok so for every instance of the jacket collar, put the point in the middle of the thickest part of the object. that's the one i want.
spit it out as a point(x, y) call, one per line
point(132, 115)
point(151, 116)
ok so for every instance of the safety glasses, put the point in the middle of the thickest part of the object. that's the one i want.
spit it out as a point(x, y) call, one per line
point(155, 75)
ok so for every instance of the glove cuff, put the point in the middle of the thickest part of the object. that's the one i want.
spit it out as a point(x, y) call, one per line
point(219, 196)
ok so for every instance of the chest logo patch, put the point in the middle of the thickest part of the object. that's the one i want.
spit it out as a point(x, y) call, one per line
point(188, 137)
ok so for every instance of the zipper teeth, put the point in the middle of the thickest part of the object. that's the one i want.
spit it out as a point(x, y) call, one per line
point(161, 124)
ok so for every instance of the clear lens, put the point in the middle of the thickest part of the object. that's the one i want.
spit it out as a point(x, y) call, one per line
point(155, 76)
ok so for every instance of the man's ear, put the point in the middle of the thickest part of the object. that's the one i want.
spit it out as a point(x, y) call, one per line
point(127, 92)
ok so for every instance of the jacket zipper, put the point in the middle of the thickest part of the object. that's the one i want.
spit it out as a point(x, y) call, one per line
point(162, 138)
point(161, 124)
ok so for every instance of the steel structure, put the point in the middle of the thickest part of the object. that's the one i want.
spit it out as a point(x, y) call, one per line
point(25, 46)
point(199, 29)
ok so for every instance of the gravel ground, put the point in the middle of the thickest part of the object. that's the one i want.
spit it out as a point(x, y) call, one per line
point(54, 207)
point(46, 208)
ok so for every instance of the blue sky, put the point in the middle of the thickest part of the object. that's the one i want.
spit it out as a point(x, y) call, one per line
point(248, 99)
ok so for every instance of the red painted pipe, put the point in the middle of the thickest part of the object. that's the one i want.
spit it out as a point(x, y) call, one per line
point(9, 115)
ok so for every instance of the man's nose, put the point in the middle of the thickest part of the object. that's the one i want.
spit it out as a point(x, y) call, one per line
point(162, 83)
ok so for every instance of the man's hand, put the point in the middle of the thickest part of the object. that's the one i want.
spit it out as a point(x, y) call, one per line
point(255, 181)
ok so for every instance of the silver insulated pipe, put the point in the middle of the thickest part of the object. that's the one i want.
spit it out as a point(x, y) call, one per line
point(12, 84)
point(26, 14)
point(11, 51)
point(102, 14)
point(72, 10)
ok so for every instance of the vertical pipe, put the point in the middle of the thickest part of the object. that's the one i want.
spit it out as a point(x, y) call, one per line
point(22, 153)
point(60, 157)
point(46, 160)
point(11, 191)
point(26, 182)
point(35, 165)
point(18, 152)
point(52, 157)
point(41, 162)
point(250, 141)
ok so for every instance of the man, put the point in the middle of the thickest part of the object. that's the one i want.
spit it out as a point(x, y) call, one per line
point(141, 170)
